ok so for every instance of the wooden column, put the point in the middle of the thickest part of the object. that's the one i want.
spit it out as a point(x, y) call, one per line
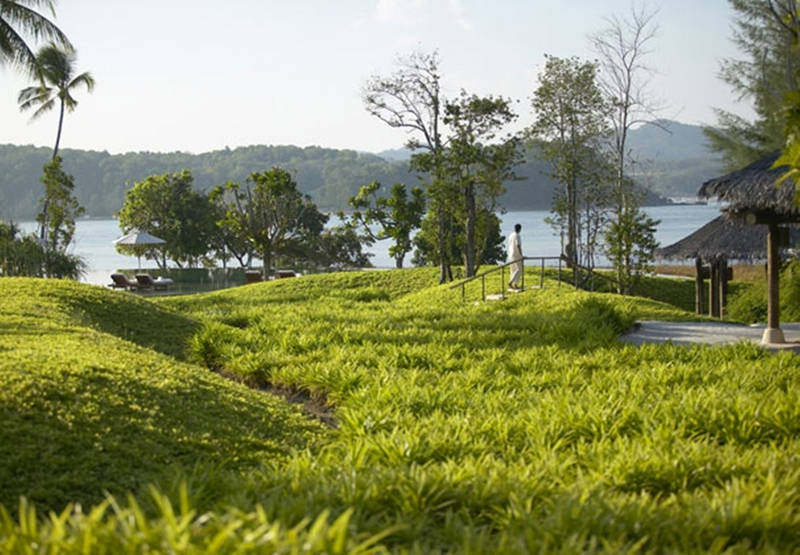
point(713, 289)
point(698, 286)
point(723, 285)
point(773, 333)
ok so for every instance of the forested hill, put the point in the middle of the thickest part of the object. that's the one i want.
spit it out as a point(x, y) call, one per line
point(330, 176)
point(673, 157)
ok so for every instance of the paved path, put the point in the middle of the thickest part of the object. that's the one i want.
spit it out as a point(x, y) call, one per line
point(712, 333)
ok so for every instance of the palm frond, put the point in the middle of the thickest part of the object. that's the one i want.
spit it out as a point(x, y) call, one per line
point(23, 16)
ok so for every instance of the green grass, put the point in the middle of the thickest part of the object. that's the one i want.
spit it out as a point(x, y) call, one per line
point(513, 426)
point(90, 404)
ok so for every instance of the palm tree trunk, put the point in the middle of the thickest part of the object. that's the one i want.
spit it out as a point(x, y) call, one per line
point(46, 205)
point(60, 126)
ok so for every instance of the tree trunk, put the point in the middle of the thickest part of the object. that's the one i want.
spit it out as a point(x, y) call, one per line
point(441, 239)
point(398, 262)
point(267, 258)
point(469, 248)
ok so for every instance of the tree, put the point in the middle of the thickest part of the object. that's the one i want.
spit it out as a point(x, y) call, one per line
point(765, 31)
point(26, 256)
point(167, 207)
point(411, 99)
point(474, 166)
point(273, 216)
point(621, 48)
point(630, 245)
point(20, 22)
point(397, 215)
point(55, 69)
point(224, 242)
point(340, 248)
point(572, 126)
point(490, 243)
point(64, 207)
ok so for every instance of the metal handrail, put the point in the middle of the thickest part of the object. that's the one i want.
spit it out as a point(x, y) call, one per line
point(501, 269)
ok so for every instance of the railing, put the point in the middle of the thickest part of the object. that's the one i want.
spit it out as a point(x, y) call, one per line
point(501, 269)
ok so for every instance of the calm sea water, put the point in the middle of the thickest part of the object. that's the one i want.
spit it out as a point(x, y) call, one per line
point(94, 238)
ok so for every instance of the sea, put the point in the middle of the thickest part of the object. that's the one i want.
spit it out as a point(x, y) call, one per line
point(94, 238)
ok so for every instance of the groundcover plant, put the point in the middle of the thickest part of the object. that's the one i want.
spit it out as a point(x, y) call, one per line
point(374, 410)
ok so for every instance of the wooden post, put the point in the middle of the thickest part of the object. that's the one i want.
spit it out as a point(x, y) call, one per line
point(723, 285)
point(698, 286)
point(773, 333)
point(713, 289)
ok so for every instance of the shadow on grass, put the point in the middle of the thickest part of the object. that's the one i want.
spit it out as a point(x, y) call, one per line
point(94, 430)
point(133, 319)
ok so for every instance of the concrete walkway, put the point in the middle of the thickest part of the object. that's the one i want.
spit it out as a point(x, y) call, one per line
point(710, 333)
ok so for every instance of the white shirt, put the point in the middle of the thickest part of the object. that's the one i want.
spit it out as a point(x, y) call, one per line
point(514, 247)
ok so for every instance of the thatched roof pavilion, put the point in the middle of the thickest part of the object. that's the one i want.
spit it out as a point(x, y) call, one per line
point(751, 192)
point(752, 195)
point(723, 236)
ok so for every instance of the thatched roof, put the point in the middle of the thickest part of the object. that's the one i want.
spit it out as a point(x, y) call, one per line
point(722, 236)
point(752, 190)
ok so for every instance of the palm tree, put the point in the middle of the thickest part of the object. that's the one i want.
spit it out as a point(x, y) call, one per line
point(20, 21)
point(56, 69)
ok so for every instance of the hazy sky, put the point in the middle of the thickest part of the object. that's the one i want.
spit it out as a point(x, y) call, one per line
point(197, 75)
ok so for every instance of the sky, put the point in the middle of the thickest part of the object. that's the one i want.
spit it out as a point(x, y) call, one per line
point(200, 75)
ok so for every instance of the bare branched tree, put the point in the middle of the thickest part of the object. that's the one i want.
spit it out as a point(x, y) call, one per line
point(411, 99)
point(622, 48)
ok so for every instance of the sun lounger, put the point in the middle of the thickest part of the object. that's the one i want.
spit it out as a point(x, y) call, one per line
point(146, 281)
point(120, 281)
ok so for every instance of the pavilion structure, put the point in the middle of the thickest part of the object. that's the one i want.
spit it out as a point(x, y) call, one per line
point(712, 247)
point(752, 195)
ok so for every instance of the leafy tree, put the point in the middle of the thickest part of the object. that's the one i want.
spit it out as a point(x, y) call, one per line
point(64, 207)
point(397, 215)
point(489, 241)
point(340, 248)
point(411, 99)
point(765, 32)
point(630, 245)
point(224, 242)
point(476, 167)
point(166, 206)
point(26, 256)
point(622, 48)
point(55, 69)
point(572, 125)
point(20, 22)
point(273, 216)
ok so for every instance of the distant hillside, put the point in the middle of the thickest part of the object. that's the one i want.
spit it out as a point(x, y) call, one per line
point(673, 157)
point(330, 176)
point(669, 140)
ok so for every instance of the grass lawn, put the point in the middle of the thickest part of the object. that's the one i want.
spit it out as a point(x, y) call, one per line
point(512, 426)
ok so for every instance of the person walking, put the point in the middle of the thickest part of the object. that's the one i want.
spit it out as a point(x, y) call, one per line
point(515, 256)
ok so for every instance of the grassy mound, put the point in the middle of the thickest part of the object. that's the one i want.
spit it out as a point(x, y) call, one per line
point(512, 426)
point(90, 404)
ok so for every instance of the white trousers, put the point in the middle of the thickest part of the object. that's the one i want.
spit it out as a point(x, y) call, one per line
point(516, 274)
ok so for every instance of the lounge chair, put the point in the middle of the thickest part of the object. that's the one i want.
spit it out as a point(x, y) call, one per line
point(120, 281)
point(146, 281)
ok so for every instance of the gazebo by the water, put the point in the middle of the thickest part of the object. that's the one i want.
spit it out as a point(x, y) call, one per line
point(712, 246)
point(752, 197)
